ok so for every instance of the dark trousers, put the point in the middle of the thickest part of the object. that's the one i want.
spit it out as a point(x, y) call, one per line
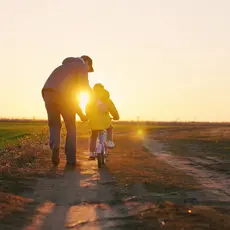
point(55, 109)
point(94, 136)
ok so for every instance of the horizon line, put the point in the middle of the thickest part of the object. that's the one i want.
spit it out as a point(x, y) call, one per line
point(2, 119)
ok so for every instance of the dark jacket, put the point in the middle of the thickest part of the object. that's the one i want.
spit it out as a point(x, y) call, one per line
point(69, 78)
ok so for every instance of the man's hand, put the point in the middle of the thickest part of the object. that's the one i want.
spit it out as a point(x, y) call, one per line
point(81, 115)
point(83, 118)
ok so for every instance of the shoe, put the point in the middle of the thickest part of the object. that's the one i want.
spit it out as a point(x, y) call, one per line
point(110, 144)
point(91, 156)
point(71, 164)
point(55, 156)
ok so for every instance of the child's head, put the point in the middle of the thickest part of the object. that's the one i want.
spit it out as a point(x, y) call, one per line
point(100, 91)
point(98, 86)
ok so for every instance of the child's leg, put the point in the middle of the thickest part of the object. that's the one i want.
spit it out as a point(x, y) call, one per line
point(110, 143)
point(93, 141)
point(110, 133)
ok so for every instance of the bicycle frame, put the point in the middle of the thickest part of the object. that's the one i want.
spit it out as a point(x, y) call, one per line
point(101, 145)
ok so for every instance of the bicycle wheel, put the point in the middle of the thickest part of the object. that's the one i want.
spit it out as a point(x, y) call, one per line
point(99, 160)
point(103, 158)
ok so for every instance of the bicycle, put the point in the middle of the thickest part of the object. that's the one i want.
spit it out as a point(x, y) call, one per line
point(101, 149)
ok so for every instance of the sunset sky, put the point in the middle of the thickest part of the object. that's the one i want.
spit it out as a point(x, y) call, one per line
point(160, 59)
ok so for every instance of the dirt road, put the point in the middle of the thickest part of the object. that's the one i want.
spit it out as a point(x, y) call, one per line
point(215, 185)
point(84, 198)
point(139, 189)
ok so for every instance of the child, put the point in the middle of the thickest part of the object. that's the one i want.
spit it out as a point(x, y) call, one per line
point(98, 111)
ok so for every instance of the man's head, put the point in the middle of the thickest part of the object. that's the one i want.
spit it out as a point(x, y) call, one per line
point(89, 62)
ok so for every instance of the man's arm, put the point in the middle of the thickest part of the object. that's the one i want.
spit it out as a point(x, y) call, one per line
point(83, 80)
point(80, 113)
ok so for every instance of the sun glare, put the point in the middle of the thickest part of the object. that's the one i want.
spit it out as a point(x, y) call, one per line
point(83, 97)
point(139, 132)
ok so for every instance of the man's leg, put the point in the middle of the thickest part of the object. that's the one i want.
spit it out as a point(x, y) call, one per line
point(69, 117)
point(54, 122)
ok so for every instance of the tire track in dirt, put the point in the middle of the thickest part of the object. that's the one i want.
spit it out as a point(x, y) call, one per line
point(216, 185)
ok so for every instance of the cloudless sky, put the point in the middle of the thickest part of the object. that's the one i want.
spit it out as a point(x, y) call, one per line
point(160, 59)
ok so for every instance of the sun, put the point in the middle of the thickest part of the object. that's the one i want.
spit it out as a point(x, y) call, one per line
point(83, 97)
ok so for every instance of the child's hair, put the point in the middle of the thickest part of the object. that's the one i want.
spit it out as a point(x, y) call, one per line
point(100, 91)
point(97, 86)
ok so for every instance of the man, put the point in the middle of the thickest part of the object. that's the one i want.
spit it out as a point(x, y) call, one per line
point(59, 94)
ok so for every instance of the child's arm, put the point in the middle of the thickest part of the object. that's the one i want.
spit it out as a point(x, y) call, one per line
point(113, 110)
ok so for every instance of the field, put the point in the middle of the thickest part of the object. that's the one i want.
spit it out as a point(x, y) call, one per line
point(10, 132)
point(159, 176)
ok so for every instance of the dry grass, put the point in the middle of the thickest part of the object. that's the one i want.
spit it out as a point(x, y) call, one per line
point(10, 203)
point(25, 158)
point(202, 142)
point(18, 163)
point(171, 216)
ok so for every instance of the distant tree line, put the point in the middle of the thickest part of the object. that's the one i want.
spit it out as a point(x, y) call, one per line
point(168, 123)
